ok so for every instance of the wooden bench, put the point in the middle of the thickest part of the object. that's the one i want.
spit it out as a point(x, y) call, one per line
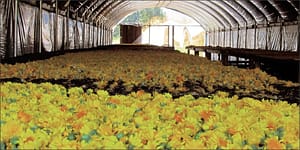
point(254, 55)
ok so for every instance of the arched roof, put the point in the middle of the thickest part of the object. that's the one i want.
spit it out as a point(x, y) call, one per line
point(210, 14)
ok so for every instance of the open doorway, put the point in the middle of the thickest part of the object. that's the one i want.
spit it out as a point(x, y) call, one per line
point(164, 27)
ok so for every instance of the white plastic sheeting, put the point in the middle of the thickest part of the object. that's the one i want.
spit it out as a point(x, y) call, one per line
point(67, 34)
point(278, 38)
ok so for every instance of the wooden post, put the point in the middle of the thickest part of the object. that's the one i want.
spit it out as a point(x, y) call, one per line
point(224, 58)
point(196, 52)
point(207, 55)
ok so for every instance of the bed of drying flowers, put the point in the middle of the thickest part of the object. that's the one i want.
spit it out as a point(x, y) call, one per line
point(158, 70)
point(50, 116)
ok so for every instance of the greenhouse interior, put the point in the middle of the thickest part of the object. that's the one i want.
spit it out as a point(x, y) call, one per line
point(121, 74)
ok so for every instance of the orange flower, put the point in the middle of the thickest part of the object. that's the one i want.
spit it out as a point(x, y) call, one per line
point(222, 142)
point(29, 139)
point(274, 144)
point(114, 101)
point(63, 108)
point(24, 116)
point(77, 126)
point(271, 125)
point(180, 78)
point(231, 131)
point(178, 117)
point(205, 114)
point(149, 76)
point(10, 129)
point(80, 114)
point(140, 93)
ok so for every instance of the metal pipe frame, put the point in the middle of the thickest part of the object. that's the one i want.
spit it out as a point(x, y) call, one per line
point(15, 26)
point(40, 25)
point(55, 25)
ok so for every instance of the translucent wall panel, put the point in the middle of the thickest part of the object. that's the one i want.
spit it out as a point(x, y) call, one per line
point(26, 29)
point(274, 38)
point(47, 31)
point(80, 34)
point(71, 37)
point(3, 30)
point(234, 36)
point(227, 39)
point(290, 36)
point(60, 32)
point(260, 38)
point(241, 40)
point(95, 37)
point(250, 38)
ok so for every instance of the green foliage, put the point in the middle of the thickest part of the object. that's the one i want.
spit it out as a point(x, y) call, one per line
point(144, 16)
point(141, 17)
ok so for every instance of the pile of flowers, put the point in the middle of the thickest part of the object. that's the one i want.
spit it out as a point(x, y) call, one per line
point(156, 69)
point(50, 116)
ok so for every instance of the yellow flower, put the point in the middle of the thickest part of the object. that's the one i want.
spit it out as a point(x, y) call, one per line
point(10, 129)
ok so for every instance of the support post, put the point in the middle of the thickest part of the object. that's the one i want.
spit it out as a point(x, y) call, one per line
point(168, 35)
point(40, 25)
point(149, 34)
point(67, 29)
point(111, 36)
point(104, 35)
point(15, 26)
point(280, 38)
point(298, 45)
point(206, 35)
point(267, 26)
point(83, 33)
point(246, 34)
point(89, 34)
point(230, 30)
point(79, 42)
point(214, 37)
point(255, 36)
point(97, 25)
point(93, 35)
point(224, 43)
point(238, 36)
point(218, 36)
point(224, 60)
point(173, 38)
point(207, 55)
point(55, 25)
